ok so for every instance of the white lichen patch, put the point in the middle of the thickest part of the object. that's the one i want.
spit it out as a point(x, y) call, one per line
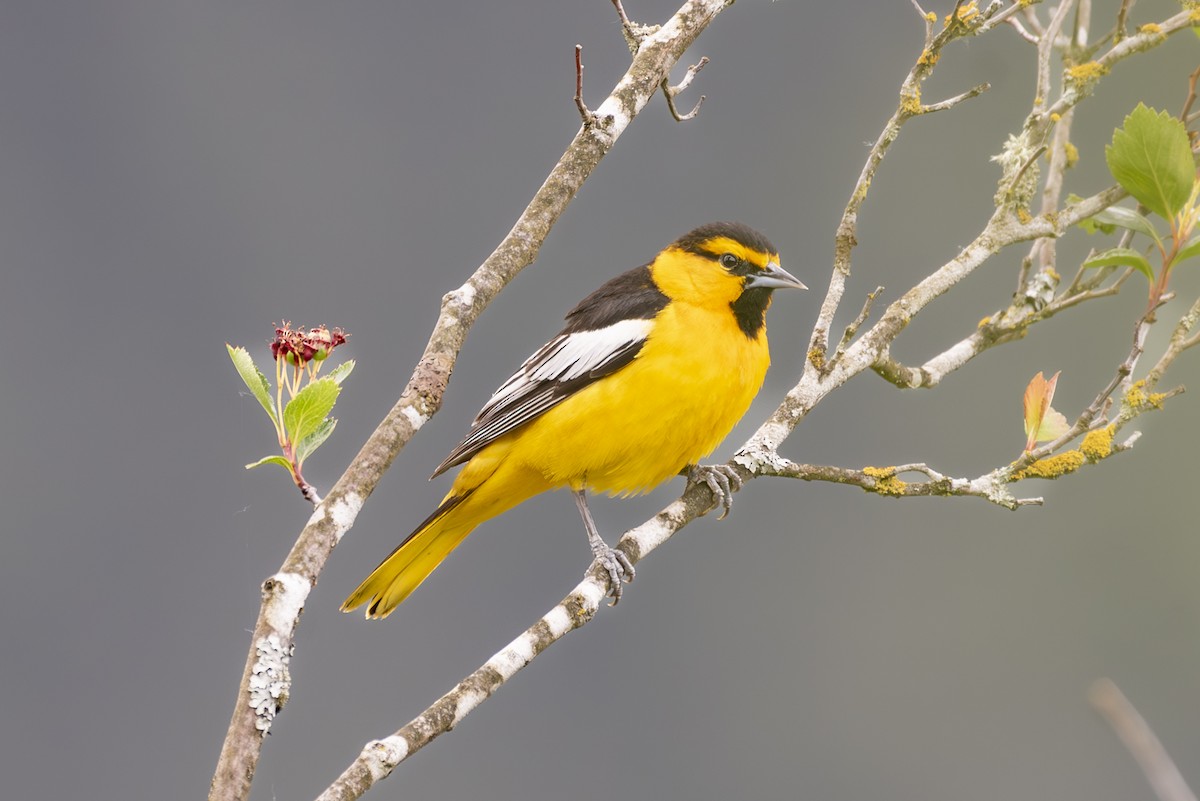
point(465, 295)
point(381, 756)
point(287, 599)
point(343, 512)
point(467, 701)
point(759, 460)
point(1016, 156)
point(269, 680)
point(558, 620)
point(517, 655)
point(415, 418)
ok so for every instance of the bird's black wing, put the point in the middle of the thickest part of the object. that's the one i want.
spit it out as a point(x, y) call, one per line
point(604, 333)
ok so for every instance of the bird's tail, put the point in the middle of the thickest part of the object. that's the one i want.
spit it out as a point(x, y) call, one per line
point(487, 486)
point(412, 562)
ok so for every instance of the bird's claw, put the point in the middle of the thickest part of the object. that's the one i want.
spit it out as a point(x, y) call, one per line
point(616, 566)
point(721, 479)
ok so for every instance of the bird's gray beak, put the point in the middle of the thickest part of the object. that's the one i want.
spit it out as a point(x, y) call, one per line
point(774, 277)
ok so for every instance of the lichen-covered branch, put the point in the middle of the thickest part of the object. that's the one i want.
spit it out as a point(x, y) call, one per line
point(285, 593)
point(380, 757)
point(886, 481)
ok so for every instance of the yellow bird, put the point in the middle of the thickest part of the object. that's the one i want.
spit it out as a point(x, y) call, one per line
point(649, 375)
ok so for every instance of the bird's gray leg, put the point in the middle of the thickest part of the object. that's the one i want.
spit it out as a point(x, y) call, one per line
point(613, 561)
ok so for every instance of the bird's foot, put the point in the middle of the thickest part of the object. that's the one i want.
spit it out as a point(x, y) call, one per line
point(616, 564)
point(722, 479)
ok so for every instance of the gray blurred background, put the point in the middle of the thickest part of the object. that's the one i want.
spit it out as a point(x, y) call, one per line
point(176, 175)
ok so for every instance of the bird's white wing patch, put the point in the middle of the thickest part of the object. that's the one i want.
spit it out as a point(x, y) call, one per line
point(569, 356)
point(562, 367)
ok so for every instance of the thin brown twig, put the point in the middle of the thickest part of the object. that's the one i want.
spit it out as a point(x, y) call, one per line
point(584, 114)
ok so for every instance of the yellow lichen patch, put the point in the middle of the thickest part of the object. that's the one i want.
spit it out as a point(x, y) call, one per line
point(1151, 27)
point(927, 59)
point(1072, 154)
point(984, 321)
point(931, 17)
point(966, 13)
point(817, 357)
point(1087, 73)
point(886, 482)
point(1138, 399)
point(911, 102)
point(1023, 214)
point(1098, 444)
point(1055, 117)
point(1052, 466)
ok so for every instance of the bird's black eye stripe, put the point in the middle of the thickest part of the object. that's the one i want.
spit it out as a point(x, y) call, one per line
point(730, 261)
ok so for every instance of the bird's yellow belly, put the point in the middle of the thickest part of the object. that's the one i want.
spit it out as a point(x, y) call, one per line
point(667, 409)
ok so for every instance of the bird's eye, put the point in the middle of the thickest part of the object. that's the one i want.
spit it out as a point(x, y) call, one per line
point(729, 261)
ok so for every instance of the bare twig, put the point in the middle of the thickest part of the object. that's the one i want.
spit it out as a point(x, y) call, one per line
point(949, 103)
point(669, 92)
point(909, 106)
point(630, 30)
point(1122, 15)
point(1166, 780)
point(1007, 16)
point(1046, 45)
point(1180, 341)
point(584, 113)
point(852, 329)
point(1031, 19)
point(1022, 31)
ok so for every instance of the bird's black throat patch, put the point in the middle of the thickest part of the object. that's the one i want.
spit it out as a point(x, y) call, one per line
point(750, 310)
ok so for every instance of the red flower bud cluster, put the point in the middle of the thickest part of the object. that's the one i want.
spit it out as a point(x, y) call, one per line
point(299, 347)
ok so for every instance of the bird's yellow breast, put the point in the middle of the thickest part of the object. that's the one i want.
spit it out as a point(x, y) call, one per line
point(670, 407)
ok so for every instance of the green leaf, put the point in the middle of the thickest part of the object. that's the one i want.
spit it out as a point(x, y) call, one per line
point(304, 413)
point(339, 373)
point(1122, 257)
point(253, 377)
point(1127, 218)
point(279, 460)
point(1090, 224)
point(314, 440)
point(1188, 251)
point(1151, 158)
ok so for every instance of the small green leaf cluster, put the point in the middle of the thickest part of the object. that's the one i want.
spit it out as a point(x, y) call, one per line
point(1151, 158)
point(302, 424)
